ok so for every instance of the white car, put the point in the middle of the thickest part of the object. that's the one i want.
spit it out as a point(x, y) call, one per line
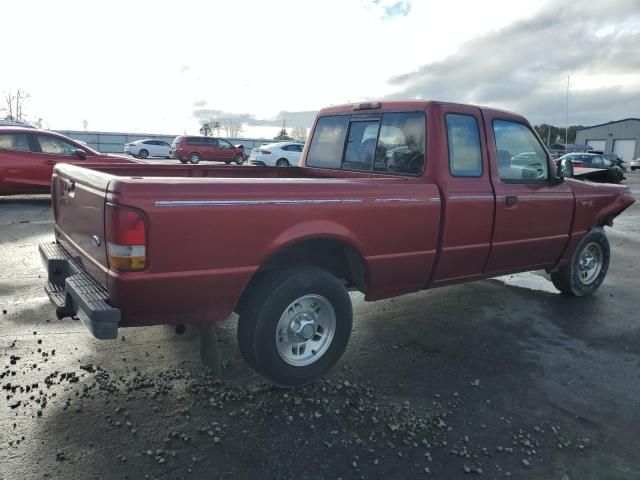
point(635, 164)
point(280, 154)
point(148, 148)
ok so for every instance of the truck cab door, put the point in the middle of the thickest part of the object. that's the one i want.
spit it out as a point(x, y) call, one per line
point(534, 210)
point(467, 195)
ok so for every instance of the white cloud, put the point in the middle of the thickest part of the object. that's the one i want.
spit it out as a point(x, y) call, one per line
point(145, 66)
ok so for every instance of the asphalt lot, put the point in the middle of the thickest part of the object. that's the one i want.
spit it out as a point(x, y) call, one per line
point(498, 379)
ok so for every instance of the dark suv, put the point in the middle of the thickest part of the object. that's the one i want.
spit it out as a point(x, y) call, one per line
point(193, 149)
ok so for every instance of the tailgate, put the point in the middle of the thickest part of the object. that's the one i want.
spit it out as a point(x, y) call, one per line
point(78, 199)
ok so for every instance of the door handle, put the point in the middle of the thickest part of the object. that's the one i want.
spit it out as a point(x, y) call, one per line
point(510, 200)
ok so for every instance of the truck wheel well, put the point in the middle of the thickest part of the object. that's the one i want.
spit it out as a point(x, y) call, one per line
point(336, 257)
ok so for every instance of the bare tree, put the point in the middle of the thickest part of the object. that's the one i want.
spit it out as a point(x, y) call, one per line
point(299, 134)
point(233, 128)
point(283, 135)
point(209, 127)
point(13, 105)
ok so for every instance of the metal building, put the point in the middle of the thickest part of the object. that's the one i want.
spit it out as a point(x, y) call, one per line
point(621, 137)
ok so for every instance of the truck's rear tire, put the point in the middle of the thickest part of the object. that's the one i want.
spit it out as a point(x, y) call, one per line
point(588, 266)
point(295, 325)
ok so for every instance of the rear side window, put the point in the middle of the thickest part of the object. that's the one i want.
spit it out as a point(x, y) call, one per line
point(520, 155)
point(388, 143)
point(465, 157)
point(14, 141)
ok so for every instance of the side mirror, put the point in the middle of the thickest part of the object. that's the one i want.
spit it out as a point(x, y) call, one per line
point(565, 168)
point(81, 154)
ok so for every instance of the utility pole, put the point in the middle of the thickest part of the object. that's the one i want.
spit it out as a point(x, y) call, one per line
point(548, 135)
point(566, 131)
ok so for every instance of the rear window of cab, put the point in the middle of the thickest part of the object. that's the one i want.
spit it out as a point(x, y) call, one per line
point(391, 143)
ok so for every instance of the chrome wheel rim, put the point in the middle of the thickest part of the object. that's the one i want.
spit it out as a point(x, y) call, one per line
point(305, 330)
point(590, 263)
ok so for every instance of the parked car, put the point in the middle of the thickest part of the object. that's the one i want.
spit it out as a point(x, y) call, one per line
point(594, 160)
point(279, 154)
point(634, 164)
point(28, 155)
point(194, 149)
point(282, 247)
point(616, 160)
point(148, 148)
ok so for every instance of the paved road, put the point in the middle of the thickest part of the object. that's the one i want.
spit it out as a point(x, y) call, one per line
point(500, 378)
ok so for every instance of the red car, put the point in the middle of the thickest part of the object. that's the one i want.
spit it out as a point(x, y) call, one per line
point(391, 198)
point(28, 155)
point(194, 149)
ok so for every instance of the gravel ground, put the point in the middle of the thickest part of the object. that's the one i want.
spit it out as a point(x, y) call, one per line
point(498, 379)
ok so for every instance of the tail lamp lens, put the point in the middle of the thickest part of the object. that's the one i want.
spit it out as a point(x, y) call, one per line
point(126, 239)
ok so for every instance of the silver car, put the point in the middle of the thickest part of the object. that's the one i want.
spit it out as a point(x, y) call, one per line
point(635, 164)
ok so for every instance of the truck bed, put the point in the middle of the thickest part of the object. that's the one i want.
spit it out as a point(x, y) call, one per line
point(211, 227)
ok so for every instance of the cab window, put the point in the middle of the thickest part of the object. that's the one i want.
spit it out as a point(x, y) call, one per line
point(401, 144)
point(361, 144)
point(465, 157)
point(224, 144)
point(520, 155)
point(392, 142)
point(328, 142)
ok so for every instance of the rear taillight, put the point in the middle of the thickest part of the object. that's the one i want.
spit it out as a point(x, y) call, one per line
point(266, 152)
point(126, 239)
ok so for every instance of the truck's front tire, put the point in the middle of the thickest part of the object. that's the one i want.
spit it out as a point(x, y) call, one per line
point(295, 325)
point(588, 266)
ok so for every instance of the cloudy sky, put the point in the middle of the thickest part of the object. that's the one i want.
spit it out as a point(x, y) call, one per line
point(164, 66)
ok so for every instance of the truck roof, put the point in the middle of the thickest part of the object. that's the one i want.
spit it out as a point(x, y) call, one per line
point(380, 105)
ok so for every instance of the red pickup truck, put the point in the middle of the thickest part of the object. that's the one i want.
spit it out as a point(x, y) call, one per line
point(389, 198)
